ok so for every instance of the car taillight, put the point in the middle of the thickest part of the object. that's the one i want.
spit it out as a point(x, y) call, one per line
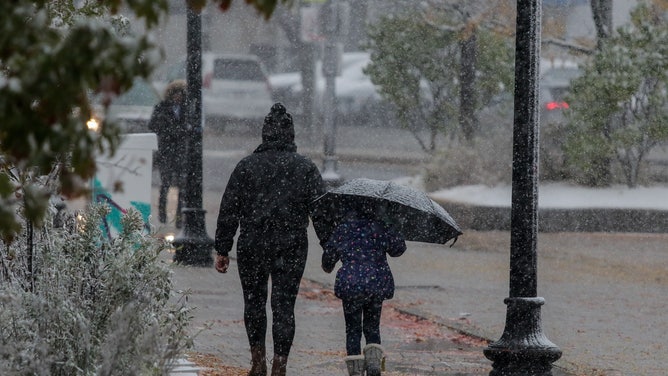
point(206, 82)
point(556, 106)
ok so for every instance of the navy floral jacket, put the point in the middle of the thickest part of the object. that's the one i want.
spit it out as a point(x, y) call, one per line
point(362, 246)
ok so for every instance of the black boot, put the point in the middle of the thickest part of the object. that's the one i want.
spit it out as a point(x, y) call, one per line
point(279, 365)
point(258, 362)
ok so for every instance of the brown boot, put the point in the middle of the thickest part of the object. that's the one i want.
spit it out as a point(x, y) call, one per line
point(279, 365)
point(258, 362)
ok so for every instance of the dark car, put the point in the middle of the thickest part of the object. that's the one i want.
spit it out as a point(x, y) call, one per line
point(555, 83)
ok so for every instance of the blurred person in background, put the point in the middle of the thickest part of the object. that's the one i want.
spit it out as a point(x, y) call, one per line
point(168, 122)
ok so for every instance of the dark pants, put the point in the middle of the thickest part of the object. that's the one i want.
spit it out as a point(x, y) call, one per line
point(362, 316)
point(286, 270)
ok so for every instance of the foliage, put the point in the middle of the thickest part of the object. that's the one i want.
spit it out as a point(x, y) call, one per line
point(90, 305)
point(264, 7)
point(51, 59)
point(422, 79)
point(53, 55)
point(619, 106)
point(74, 302)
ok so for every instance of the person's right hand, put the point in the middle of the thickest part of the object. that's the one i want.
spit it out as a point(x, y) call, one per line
point(327, 270)
point(222, 262)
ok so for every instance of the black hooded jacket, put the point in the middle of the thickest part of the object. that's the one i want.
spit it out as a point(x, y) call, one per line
point(269, 195)
point(170, 128)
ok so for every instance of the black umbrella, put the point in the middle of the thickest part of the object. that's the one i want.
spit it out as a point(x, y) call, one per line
point(416, 216)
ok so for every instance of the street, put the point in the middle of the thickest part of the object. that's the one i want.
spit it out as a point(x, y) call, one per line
point(358, 147)
point(606, 293)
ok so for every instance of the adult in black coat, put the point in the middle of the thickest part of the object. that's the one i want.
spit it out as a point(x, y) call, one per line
point(269, 197)
point(168, 122)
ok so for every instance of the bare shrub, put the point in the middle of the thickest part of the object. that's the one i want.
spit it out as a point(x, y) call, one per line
point(487, 161)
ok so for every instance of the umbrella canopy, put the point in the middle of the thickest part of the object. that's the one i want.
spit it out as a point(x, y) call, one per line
point(416, 216)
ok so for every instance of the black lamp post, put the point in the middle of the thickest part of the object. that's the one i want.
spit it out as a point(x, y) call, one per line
point(193, 246)
point(523, 348)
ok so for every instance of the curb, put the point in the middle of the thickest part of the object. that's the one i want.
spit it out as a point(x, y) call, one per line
point(559, 368)
point(489, 218)
point(370, 156)
point(184, 367)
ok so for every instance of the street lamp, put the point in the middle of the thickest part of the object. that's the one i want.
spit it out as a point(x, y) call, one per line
point(193, 246)
point(523, 348)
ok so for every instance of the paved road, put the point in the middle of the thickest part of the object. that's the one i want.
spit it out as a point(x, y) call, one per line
point(357, 149)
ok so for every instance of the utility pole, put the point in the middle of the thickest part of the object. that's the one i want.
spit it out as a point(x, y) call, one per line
point(193, 246)
point(523, 349)
point(330, 69)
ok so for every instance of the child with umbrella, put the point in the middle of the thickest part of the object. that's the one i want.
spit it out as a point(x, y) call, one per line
point(362, 241)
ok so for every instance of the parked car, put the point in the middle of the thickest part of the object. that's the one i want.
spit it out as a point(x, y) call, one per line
point(357, 98)
point(132, 110)
point(234, 87)
point(555, 82)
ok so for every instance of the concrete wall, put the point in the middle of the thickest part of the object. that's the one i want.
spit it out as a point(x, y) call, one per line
point(486, 218)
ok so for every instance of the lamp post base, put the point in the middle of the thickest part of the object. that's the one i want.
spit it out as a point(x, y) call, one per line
point(193, 246)
point(523, 349)
point(330, 177)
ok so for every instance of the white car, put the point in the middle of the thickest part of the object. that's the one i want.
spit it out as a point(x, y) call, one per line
point(357, 98)
point(235, 87)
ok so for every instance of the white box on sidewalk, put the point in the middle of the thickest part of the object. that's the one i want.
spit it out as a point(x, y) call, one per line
point(124, 181)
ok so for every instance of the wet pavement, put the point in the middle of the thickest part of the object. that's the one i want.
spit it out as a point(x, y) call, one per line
point(413, 346)
point(605, 301)
point(606, 297)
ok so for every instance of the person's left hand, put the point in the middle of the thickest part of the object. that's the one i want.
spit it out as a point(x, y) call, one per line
point(222, 262)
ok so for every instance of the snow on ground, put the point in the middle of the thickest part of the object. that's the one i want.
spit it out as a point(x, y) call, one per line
point(562, 196)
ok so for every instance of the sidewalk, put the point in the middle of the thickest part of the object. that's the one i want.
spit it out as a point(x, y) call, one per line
point(413, 346)
point(606, 295)
point(417, 337)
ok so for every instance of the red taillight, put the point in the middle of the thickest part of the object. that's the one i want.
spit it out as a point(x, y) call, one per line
point(206, 82)
point(556, 106)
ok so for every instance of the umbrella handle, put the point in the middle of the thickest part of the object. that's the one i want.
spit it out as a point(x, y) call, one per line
point(454, 241)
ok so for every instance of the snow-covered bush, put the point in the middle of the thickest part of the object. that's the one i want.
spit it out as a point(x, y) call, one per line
point(77, 303)
point(619, 106)
point(488, 161)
